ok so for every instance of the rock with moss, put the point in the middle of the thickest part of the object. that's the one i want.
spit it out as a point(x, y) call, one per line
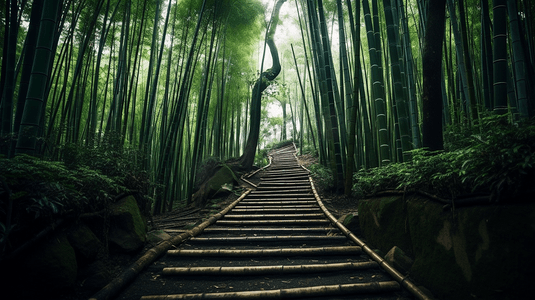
point(476, 252)
point(127, 231)
point(351, 222)
point(219, 184)
point(384, 223)
point(50, 268)
point(399, 260)
point(95, 276)
point(84, 242)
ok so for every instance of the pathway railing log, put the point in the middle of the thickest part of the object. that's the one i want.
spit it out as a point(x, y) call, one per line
point(275, 242)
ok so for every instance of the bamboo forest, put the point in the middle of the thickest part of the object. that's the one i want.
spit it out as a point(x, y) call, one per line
point(155, 88)
point(104, 99)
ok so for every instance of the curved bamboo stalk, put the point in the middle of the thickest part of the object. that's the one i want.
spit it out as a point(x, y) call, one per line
point(292, 293)
point(269, 270)
point(115, 286)
point(403, 280)
point(340, 250)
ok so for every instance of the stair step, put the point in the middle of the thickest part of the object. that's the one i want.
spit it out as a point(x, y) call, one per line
point(292, 293)
point(275, 210)
point(272, 238)
point(269, 229)
point(340, 250)
point(271, 216)
point(272, 222)
point(269, 270)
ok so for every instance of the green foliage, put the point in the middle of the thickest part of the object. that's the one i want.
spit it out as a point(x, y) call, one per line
point(121, 164)
point(495, 158)
point(48, 188)
point(322, 176)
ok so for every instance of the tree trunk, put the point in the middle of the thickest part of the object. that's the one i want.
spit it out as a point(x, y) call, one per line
point(247, 159)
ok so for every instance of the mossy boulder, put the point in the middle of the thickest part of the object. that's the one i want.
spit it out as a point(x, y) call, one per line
point(399, 260)
point(127, 229)
point(351, 222)
point(95, 276)
point(219, 184)
point(50, 267)
point(382, 220)
point(483, 252)
point(84, 242)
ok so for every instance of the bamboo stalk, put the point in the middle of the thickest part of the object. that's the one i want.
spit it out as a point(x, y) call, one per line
point(264, 229)
point(340, 250)
point(276, 183)
point(272, 222)
point(291, 293)
point(274, 238)
point(266, 202)
point(269, 270)
point(286, 177)
point(276, 206)
point(271, 216)
point(284, 198)
point(276, 177)
point(116, 285)
point(291, 186)
point(280, 191)
point(278, 194)
point(269, 210)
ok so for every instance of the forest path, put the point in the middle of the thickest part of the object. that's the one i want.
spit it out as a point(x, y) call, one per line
point(276, 243)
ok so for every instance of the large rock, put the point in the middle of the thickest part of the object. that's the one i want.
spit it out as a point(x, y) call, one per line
point(351, 222)
point(383, 221)
point(399, 260)
point(478, 252)
point(127, 228)
point(51, 266)
point(85, 243)
point(483, 252)
point(215, 186)
point(95, 276)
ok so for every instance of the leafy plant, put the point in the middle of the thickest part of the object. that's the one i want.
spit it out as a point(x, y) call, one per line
point(496, 158)
point(322, 176)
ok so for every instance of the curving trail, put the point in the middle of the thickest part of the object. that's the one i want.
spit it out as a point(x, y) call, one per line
point(276, 243)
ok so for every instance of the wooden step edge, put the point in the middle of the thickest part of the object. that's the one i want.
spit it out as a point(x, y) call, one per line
point(279, 198)
point(259, 216)
point(278, 202)
point(268, 270)
point(339, 250)
point(273, 238)
point(292, 293)
point(277, 206)
point(278, 229)
point(272, 222)
point(276, 210)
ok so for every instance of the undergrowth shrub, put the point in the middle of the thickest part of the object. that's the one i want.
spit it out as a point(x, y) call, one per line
point(322, 176)
point(85, 180)
point(494, 157)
